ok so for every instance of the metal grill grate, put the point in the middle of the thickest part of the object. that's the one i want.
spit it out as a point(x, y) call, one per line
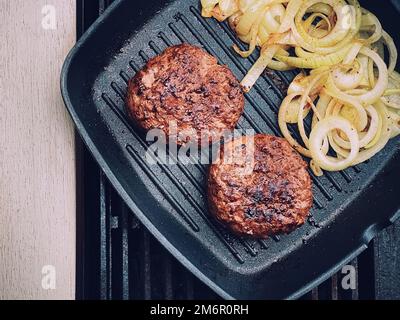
point(120, 259)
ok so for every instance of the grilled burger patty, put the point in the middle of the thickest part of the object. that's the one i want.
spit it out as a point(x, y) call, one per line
point(265, 190)
point(186, 85)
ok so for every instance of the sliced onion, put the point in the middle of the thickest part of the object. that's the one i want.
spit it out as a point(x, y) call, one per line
point(316, 61)
point(301, 53)
point(273, 18)
point(316, 169)
point(249, 17)
point(391, 97)
point(324, 8)
point(348, 80)
point(293, 107)
point(395, 123)
point(392, 51)
point(291, 10)
point(258, 68)
point(333, 91)
point(279, 66)
point(318, 135)
point(336, 35)
point(355, 27)
point(207, 7)
point(380, 86)
point(378, 134)
point(285, 131)
point(386, 133)
point(305, 95)
point(368, 20)
point(321, 106)
point(366, 138)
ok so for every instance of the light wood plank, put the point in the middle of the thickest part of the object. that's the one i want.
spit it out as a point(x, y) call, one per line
point(37, 168)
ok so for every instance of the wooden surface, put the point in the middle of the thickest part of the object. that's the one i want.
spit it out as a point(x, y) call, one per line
point(37, 159)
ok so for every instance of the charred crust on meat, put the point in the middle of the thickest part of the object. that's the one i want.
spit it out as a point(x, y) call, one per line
point(185, 78)
point(275, 197)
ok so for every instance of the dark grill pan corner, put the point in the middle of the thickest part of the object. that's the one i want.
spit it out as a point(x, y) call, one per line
point(350, 207)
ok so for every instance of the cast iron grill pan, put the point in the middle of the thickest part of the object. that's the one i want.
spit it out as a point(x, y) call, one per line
point(350, 207)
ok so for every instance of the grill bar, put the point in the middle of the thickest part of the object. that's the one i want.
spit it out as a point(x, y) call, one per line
point(125, 252)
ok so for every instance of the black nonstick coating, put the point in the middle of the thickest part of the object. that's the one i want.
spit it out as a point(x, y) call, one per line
point(349, 209)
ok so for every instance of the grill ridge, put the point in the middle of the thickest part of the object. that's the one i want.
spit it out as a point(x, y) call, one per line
point(164, 37)
point(105, 236)
point(175, 203)
point(124, 76)
point(150, 174)
point(146, 265)
point(249, 248)
point(125, 252)
point(276, 238)
point(118, 90)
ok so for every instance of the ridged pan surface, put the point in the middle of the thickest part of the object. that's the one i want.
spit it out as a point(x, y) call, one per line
point(350, 207)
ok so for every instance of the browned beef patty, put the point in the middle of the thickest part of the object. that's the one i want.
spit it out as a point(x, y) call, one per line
point(187, 86)
point(265, 190)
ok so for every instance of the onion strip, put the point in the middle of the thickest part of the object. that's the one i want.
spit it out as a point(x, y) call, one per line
point(318, 135)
